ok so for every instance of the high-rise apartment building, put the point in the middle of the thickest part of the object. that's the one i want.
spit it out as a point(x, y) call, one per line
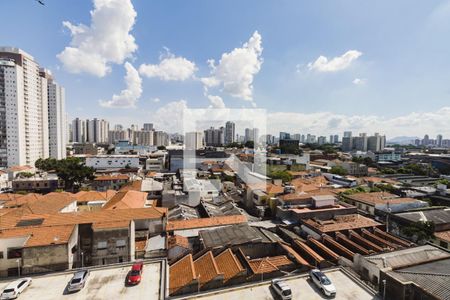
point(194, 140)
point(214, 137)
point(230, 132)
point(439, 140)
point(24, 108)
point(57, 124)
point(97, 131)
point(147, 126)
point(79, 131)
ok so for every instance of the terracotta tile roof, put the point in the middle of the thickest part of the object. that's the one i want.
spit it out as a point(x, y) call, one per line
point(178, 240)
point(443, 235)
point(132, 186)
point(205, 222)
point(86, 217)
point(181, 274)
point(379, 198)
point(269, 188)
point(228, 264)
point(9, 196)
point(268, 264)
point(297, 256)
point(111, 225)
point(112, 177)
point(206, 268)
point(40, 236)
point(85, 196)
point(128, 199)
point(19, 168)
point(344, 222)
point(50, 203)
point(140, 245)
point(18, 201)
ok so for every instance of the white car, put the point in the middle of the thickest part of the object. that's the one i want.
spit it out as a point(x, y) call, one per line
point(78, 281)
point(15, 288)
point(282, 289)
point(322, 282)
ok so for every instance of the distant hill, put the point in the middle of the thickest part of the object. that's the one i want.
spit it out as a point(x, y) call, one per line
point(402, 140)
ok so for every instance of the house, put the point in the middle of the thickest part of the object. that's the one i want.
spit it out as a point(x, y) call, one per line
point(368, 203)
point(110, 182)
point(113, 161)
point(129, 199)
point(39, 183)
point(93, 200)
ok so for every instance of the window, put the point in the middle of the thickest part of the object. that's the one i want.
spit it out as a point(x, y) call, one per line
point(14, 253)
point(120, 243)
point(1, 254)
point(102, 245)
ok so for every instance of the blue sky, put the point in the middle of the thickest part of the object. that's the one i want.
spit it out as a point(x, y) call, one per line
point(396, 81)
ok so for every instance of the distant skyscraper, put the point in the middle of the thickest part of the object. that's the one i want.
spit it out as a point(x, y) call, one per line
point(439, 140)
point(148, 126)
point(347, 134)
point(97, 131)
point(230, 132)
point(285, 136)
point(214, 137)
point(79, 131)
point(321, 140)
point(426, 140)
point(24, 131)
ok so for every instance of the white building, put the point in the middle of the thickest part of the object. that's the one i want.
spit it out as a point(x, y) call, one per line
point(56, 117)
point(97, 131)
point(24, 131)
point(194, 140)
point(112, 161)
point(79, 131)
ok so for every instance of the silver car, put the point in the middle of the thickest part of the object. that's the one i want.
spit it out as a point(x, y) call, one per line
point(15, 288)
point(282, 289)
point(78, 281)
point(322, 282)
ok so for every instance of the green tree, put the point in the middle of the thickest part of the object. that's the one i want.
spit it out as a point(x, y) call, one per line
point(282, 174)
point(249, 144)
point(419, 231)
point(338, 170)
point(71, 170)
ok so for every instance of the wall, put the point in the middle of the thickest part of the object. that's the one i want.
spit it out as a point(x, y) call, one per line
point(6, 263)
point(45, 259)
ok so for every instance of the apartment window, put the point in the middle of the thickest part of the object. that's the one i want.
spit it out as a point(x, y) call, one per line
point(120, 244)
point(102, 245)
point(1, 254)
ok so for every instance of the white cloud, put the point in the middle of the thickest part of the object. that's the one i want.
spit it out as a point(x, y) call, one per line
point(236, 69)
point(170, 67)
point(156, 100)
point(170, 116)
point(107, 40)
point(359, 81)
point(328, 123)
point(216, 101)
point(338, 63)
point(129, 96)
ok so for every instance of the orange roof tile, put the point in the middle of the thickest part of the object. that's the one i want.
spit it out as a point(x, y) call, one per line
point(297, 256)
point(128, 199)
point(261, 265)
point(443, 235)
point(178, 240)
point(132, 186)
point(86, 217)
point(228, 264)
point(111, 225)
point(19, 168)
point(344, 222)
point(205, 222)
point(206, 268)
point(181, 274)
point(112, 177)
point(379, 198)
point(40, 236)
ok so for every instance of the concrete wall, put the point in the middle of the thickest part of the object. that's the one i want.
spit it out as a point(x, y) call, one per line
point(112, 253)
point(6, 263)
point(45, 259)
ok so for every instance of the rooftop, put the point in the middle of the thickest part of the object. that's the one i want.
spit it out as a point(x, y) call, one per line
point(206, 268)
point(379, 198)
point(231, 235)
point(344, 222)
point(181, 273)
point(437, 216)
point(228, 264)
point(40, 236)
point(128, 199)
point(205, 222)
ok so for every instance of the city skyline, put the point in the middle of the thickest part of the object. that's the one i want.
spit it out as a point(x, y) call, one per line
point(339, 82)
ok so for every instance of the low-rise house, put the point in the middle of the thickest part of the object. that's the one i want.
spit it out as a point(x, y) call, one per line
point(110, 182)
point(40, 183)
point(129, 199)
point(100, 162)
point(15, 170)
point(37, 249)
point(93, 200)
point(368, 203)
point(177, 246)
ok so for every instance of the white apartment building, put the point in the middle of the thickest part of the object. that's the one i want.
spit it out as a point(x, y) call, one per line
point(57, 131)
point(79, 131)
point(97, 131)
point(194, 141)
point(24, 131)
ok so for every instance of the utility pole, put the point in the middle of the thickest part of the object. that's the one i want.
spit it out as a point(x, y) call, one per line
point(18, 266)
point(384, 289)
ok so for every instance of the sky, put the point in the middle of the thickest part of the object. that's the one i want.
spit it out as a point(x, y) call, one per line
point(318, 67)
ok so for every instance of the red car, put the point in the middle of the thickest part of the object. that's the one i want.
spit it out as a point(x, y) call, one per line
point(134, 276)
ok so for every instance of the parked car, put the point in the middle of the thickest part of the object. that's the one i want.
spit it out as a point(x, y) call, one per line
point(78, 281)
point(282, 289)
point(322, 282)
point(15, 288)
point(134, 276)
